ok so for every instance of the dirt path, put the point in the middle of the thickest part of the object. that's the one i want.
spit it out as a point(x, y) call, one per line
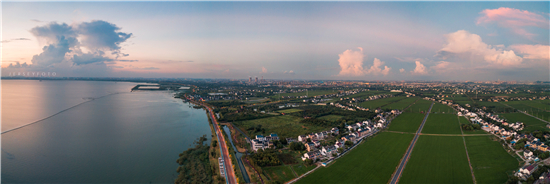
point(466, 148)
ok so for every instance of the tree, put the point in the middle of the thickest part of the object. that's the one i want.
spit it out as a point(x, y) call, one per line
point(349, 143)
point(340, 150)
point(308, 162)
point(283, 141)
point(308, 140)
point(297, 146)
point(519, 146)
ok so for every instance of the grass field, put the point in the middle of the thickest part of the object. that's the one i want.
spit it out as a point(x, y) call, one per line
point(437, 159)
point(284, 126)
point(380, 102)
point(530, 123)
point(442, 124)
point(310, 93)
point(400, 105)
point(279, 173)
point(302, 169)
point(373, 161)
point(406, 122)
point(420, 105)
point(331, 117)
point(289, 110)
point(489, 159)
point(442, 108)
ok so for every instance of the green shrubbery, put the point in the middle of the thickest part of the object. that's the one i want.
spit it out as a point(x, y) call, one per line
point(194, 164)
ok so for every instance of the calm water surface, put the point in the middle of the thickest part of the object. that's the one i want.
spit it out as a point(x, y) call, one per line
point(119, 137)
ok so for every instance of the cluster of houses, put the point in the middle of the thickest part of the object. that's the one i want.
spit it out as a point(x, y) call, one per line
point(526, 171)
point(351, 107)
point(262, 142)
point(358, 131)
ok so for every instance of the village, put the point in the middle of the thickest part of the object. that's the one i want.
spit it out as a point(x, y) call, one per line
point(352, 135)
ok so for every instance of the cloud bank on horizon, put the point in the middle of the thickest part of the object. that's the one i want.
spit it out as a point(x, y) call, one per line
point(484, 43)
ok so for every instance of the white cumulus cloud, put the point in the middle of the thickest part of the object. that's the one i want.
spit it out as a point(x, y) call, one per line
point(468, 45)
point(420, 69)
point(351, 64)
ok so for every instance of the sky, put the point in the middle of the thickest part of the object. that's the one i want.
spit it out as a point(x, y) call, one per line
point(279, 40)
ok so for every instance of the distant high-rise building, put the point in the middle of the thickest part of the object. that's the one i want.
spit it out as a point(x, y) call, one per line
point(249, 79)
point(256, 80)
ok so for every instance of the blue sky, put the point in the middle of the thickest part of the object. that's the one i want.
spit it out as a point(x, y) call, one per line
point(281, 40)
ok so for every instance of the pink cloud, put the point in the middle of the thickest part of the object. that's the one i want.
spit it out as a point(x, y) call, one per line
point(420, 69)
point(463, 43)
point(533, 51)
point(351, 64)
point(513, 19)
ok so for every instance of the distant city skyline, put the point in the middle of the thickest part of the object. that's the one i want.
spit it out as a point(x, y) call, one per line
point(442, 41)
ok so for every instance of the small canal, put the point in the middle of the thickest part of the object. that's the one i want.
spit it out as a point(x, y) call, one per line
point(237, 154)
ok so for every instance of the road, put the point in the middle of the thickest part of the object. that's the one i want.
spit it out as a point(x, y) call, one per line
point(397, 175)
point(229, 173)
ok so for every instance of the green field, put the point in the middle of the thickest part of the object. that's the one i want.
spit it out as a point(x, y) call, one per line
point(371, 104)
point(310, 93)
point(530, 123)
point(543, 105)
point(284, 126)
point(442, 124)
point(460, 98)
point(420, 106)
point(331, 117)
point(400, 105)
point(538, 108)
point(373, 161)
point(406, 122)
point(279, 173)
point(489, 159)
point(302, 169)
point(437, 159)
point(289, 110)
point(442, 108)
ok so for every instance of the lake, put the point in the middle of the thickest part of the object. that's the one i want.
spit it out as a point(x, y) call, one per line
point(101, 133)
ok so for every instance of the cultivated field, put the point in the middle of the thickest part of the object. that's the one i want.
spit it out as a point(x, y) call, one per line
point(373, 161)
point(289, 110)
point(437, 159)
point(284, 126)
point(407, 122)
point(331, 117)
point(538, 108)
point(400, 105)
point(302, 169)
point(279, 173)
point(442, 108)
point(489, 159)
point(380, 102)
point(530, 123)
point(441, 124)
point(420, 106)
